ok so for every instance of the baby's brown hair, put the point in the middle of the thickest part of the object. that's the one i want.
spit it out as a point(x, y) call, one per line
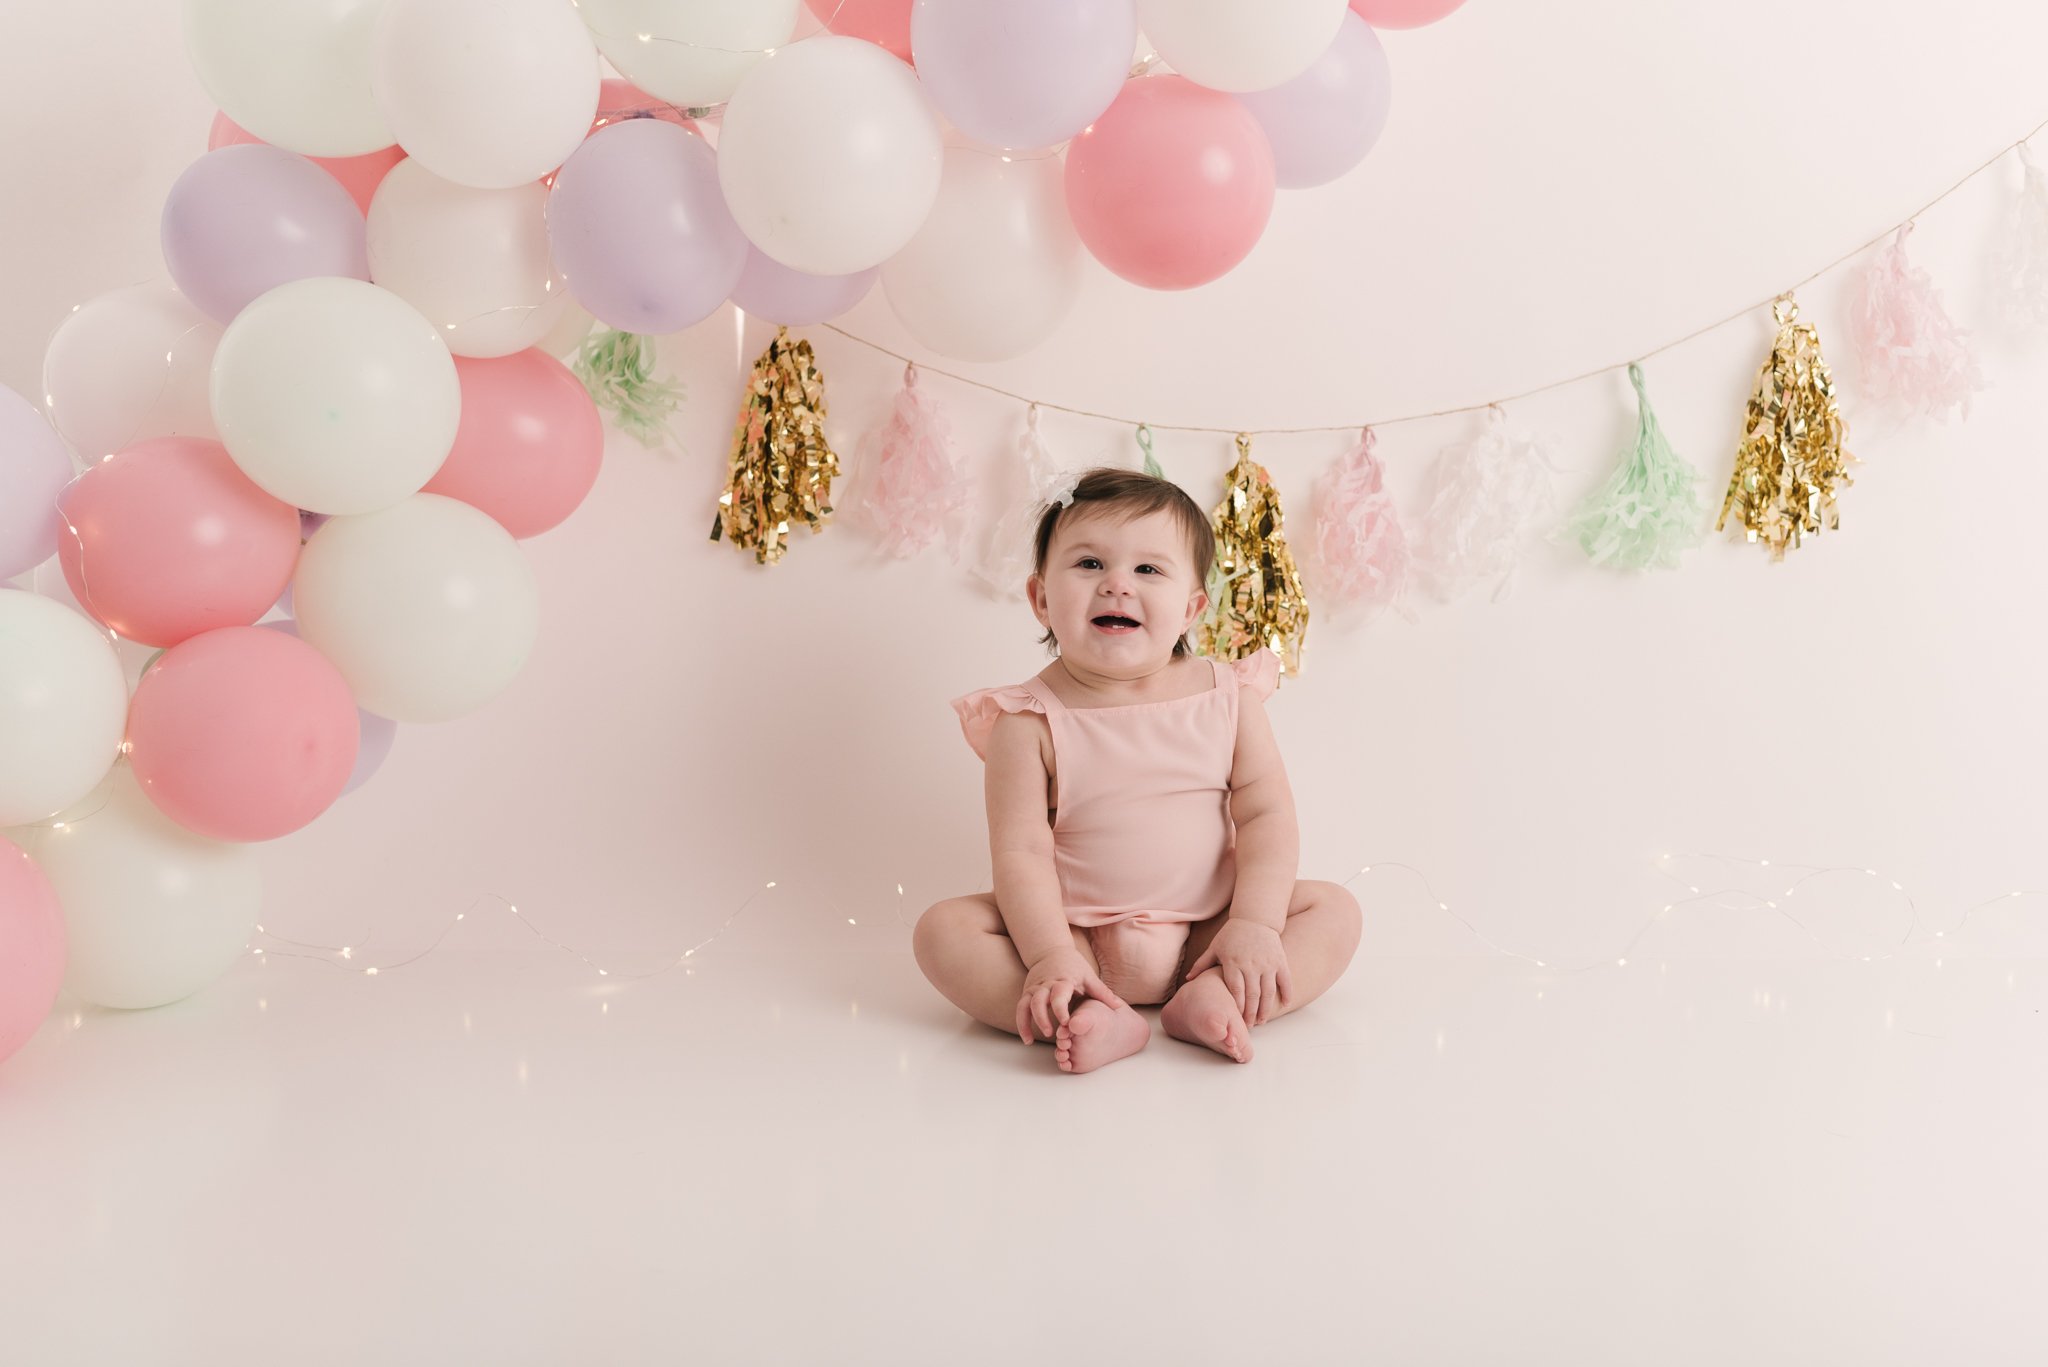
point(1131, 494)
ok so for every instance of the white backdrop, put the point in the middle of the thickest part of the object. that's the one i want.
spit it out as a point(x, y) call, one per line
point(1560, 186)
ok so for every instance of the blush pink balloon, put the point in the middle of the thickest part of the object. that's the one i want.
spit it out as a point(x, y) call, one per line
point(360, 176)
point(374, 734)
point(1402, 13)
point(1173, 185)
point(242, 734)
point(885, 23)
point(529, 444)
point(168, 538)
point(31, 947)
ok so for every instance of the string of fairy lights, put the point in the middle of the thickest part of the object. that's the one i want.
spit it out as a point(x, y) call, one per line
point(345, 956)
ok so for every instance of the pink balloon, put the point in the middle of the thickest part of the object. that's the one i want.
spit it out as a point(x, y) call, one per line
point(31, 947)
point(1172, 186)
point(529, 444)
point(1402, 13)
point(242, 733)
point(374, 734)
point(168, 538)
point(885, 23)
point(360, 176)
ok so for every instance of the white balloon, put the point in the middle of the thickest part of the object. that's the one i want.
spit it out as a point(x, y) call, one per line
point(152, 912)
point(335, 395)
point(997, 264)
point(1230, 45)
point(487, 93)
point(295, 73)
point(829, 156)
point(63, 706)
point(691, 54)
point(475, 262)
point(129, 365)
point(428, 609)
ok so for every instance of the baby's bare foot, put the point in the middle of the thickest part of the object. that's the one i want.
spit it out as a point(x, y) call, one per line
point(1097, 1033)
point(1204, 1012)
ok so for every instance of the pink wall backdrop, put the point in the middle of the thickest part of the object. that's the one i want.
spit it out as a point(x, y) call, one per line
point(692, 725)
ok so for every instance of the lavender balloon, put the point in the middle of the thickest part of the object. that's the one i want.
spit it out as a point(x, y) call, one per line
point(638, 225)
point(1324, 121)
point(247, 218)
point(376, 733)
point(768, 289)
point(34, 468)
point(1022, 73)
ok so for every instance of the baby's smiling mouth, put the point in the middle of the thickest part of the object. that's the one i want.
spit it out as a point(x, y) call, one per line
point(1115, 623)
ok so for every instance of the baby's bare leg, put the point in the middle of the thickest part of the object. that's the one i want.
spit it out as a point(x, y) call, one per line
point(963, 947)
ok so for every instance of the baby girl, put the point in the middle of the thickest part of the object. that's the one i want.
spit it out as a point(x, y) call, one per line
point(1140, 823)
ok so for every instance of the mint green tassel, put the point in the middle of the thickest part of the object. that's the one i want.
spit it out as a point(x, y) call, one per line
point(1145, 445)
point(1649, 509)
point(618, 370)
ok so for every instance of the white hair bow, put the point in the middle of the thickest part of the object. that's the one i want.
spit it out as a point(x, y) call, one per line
point(1061, 490)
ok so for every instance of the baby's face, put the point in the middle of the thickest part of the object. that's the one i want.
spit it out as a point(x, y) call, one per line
point(1118, 594)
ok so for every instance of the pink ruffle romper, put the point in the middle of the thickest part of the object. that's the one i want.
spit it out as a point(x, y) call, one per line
point(1142, 837)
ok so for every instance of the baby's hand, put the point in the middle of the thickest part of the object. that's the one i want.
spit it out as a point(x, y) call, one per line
point(1049, 988)
point(1254, 968)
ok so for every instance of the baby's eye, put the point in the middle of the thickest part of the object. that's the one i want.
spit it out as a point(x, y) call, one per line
point(1154, 568)
point(1089, 562)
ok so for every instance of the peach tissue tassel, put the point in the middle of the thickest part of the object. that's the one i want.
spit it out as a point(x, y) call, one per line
point(1361, 552)
point(909, 489)
point(1023, 486)
point(1914, 357)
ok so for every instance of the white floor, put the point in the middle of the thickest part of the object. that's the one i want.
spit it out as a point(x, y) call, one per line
point(806, 1157)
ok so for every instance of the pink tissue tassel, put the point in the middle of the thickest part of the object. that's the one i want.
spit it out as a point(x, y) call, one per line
point(1914, 357)
point(1361, 552)
point(911, 491)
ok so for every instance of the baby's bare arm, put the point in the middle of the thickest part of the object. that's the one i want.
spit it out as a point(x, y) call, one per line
point(1020, 840)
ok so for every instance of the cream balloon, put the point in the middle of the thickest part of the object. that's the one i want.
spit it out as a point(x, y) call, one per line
point(152, 912)
point(128, 365)
point(47, 581)
point(295, 73)
point(335, 395)
point(691, 54)
point(487, 93)
point(428, 609)
point(829, 156)
point(63, 706)
point(1229, 45)
point(997, 264)
point(474, 262)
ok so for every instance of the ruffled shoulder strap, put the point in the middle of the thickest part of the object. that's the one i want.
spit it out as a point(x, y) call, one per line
point(978, 711)
point(1258, 673)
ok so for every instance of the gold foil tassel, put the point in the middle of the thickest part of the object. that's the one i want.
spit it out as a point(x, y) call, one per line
point(782, 467)
point(1791, 460)
point(1255, 592)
